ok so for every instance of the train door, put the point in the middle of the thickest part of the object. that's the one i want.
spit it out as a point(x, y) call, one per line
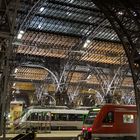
point(107, 123)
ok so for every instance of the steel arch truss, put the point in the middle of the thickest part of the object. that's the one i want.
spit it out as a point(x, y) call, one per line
point(124, 16)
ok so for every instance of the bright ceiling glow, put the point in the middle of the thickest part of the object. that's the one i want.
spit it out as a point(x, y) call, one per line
point(89, 96)
point(15, 70)
point(86, 43)
point(39, 26)
point(89, 76)
point(14, 84)
point(20, 34)
point(41, 9)
point(90, 17)
point(68, 13)
point(120, 13)
point(71, 1)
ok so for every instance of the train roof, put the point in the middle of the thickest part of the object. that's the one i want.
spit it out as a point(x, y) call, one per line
point(48, 107)
point(57, 110)
point(119, 106)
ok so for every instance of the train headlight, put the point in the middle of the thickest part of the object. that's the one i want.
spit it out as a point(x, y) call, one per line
point(89, 129)
point(84, 128)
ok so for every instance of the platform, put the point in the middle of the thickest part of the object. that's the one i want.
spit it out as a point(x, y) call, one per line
point(53, 135)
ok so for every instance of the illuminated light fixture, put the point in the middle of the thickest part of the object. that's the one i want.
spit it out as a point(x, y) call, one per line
point(14, 84)
point(89, 76)
point(89, 96)
point(20, 34)
point(71, 1)
point(120, 13)
point(9, 115)
point(41, 9)
point(90, 17)
point(89, 89)
point(113, 38)
point(86, 43)
point(15, 70)
point(68, 13)
point(134, 13)
point(39, 26)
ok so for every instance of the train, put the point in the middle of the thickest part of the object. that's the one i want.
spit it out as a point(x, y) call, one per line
point(57, 118)
point(110, 122)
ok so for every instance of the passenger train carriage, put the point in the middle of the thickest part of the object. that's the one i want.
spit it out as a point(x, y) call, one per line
point(59, 118)
point(110, 121)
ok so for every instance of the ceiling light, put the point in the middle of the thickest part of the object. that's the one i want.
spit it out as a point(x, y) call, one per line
point(15, 70)
point(39, 26)
point(134, 13)
point(19, 36)
point(89, 96)
point(71, 1)
point(90, 17)
point(86, 43)
point(120, 13)
point(89, 89)
point(21, 32)
point(41, 9)
point(68, 13)
point(89, 76)
point(14, 84)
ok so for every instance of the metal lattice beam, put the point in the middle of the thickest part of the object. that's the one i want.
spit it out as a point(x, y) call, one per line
point(124, 15)
point(7, 28)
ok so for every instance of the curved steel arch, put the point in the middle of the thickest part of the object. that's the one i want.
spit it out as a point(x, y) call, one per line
point(39, 66)
point(124, 16)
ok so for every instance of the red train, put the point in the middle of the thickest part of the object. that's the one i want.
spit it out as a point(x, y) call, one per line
point(110, 122)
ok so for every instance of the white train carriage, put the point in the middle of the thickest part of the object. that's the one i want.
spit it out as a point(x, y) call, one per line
point(59, 118)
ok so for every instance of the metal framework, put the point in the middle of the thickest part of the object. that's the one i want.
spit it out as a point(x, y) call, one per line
point(75, 32)
point(8, 13)
point(124, 16)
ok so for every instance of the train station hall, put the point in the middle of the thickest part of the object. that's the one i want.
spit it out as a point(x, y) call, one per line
point(69, 69)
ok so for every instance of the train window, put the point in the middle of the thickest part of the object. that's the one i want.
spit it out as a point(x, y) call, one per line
point(75, 117)
point(109, 118)
point(63, 117)
point(33, 117)
point(128, 118)
point(79, 117)
point(38, 116)
point(90, 117)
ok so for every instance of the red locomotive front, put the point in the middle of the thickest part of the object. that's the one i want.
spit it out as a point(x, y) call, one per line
point(111, 121)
